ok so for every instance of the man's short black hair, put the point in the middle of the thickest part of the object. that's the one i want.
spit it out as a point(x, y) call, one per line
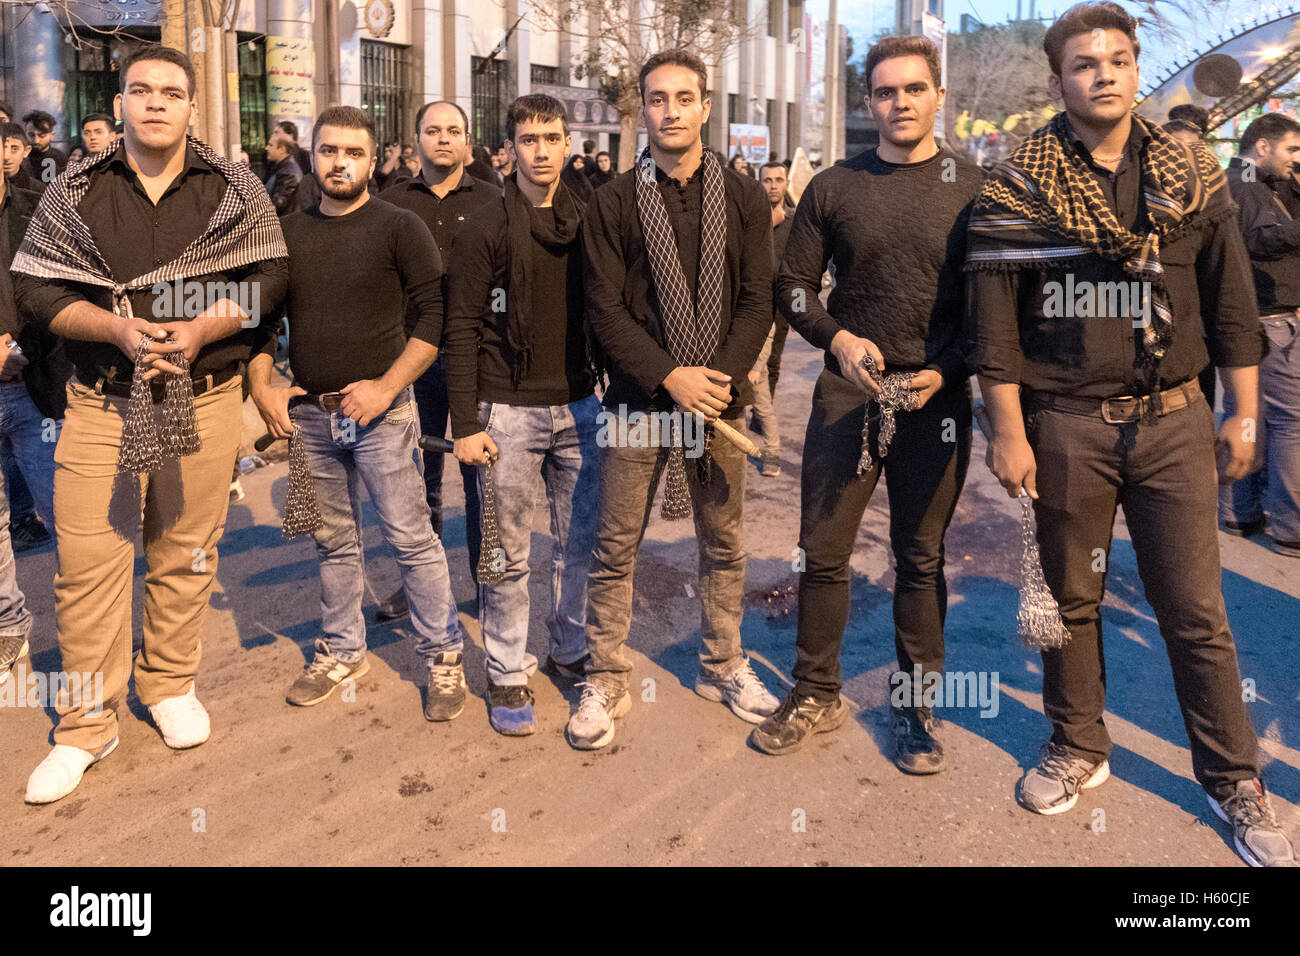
point(347, 117)
point(537, 107)
point(14, 131)
point(288, 129)
point(603, 153)
point(1085, 18)
point(419, 117)
point(1270, 126)
point(42, 120)
point(156, 51)
point(771, 164)
point(8, 111)
point(588, 145)
point(1193, 116)
point(674, 58)
point(97, 118)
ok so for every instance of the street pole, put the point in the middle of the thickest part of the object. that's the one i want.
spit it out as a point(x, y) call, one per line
point(830, 131)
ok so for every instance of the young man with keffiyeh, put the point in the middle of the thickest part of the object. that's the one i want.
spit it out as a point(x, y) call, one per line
point(523, 402)
point(1093, 409)
point(679, 290)
point(893, 219)
point(355, 264)
point(154, 410)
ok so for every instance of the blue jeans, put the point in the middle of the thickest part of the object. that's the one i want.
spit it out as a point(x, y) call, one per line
point(28, 437)
point(551, 447)
point(15, 619)
point(384, 457)
point(1275, 488)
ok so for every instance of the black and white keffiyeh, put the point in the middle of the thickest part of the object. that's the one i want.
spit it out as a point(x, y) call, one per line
point(58, 245)
point(692, 328)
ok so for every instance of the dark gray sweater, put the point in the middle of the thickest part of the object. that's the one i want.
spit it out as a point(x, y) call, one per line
point(897, 236)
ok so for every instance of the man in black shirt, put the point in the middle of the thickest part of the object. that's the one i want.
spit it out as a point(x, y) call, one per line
point(354, 263)
point(1092, 250)
point(284, 174)
point(447, 198)
point(13, 139)
point(167, 217)
point(1259, 179)
point(523, 402)
point(45, 161)
point(897, 299)
point(679, 288)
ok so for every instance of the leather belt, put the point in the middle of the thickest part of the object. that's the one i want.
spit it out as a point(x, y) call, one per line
point(1123, 408)
point(201, 384)
point(333, 401)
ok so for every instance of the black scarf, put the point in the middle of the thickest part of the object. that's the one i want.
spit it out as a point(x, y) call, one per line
point(522, 229)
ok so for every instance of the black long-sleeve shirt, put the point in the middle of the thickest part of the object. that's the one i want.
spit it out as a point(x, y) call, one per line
point(1010, 338)
point(135, 237)
point(446, 217)
point(1271, 234)
point(349, 279)
point(477, 361)
point(897, 236)
point(622, 305)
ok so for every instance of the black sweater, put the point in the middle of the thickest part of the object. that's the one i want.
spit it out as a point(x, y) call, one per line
point(349, 277)
point(477, 363)
point(897, 235)
point(622, 305)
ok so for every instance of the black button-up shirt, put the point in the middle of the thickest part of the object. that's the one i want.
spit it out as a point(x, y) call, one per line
point(1009, 338)
point(1271, 233)
point(135, 237)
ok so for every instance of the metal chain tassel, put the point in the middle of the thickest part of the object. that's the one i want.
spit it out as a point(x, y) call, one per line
point(490, 549)
point(1038, 622)
point(677, 494)
point(301, 513)
point(896, 395)
point(143, 449)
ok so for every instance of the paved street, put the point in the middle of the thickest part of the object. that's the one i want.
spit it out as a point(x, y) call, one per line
point(369, 781)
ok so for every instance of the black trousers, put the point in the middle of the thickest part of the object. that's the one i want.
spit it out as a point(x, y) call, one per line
point(778, 346)
point(1163, 475)
point(431, 402)
point(925, 470)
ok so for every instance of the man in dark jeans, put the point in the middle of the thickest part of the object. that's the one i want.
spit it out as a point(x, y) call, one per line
point(447, 198)
point(908, 320)
point(1259, 179)
point(1112, 413)
point(679, 286)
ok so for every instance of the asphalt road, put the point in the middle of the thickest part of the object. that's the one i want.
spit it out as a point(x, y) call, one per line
point(369, 781)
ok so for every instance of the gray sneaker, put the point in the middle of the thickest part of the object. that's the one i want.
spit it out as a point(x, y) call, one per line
point(1053, 786)
point(1259, 839)
point(741, 690)
point(13, 647)
point(592, 724)
point(322, 676)
point(445, 698)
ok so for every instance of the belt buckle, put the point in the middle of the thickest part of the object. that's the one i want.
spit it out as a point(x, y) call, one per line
point(331, 401)
point(1108, 417)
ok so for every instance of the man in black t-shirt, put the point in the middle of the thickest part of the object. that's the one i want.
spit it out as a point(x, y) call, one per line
point(354, 263)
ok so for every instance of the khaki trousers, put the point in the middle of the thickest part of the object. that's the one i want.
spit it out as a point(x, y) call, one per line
point(97, 515)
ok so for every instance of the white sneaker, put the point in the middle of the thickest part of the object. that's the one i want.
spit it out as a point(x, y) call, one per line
point(59, 773)
point(182, 721)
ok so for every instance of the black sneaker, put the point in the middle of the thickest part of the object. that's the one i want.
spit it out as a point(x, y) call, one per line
point(446, 695)
point(28, 533)
point(576, 671)
point(1258, 838)
point(510, 709)
point(322, 677)
point(394, 608)
point(786, 730)
point(916, 748)
point(1243, 529)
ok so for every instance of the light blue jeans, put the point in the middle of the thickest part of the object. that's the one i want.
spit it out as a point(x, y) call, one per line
point(1275, 488)
point(383, 456)
point(551, 447)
